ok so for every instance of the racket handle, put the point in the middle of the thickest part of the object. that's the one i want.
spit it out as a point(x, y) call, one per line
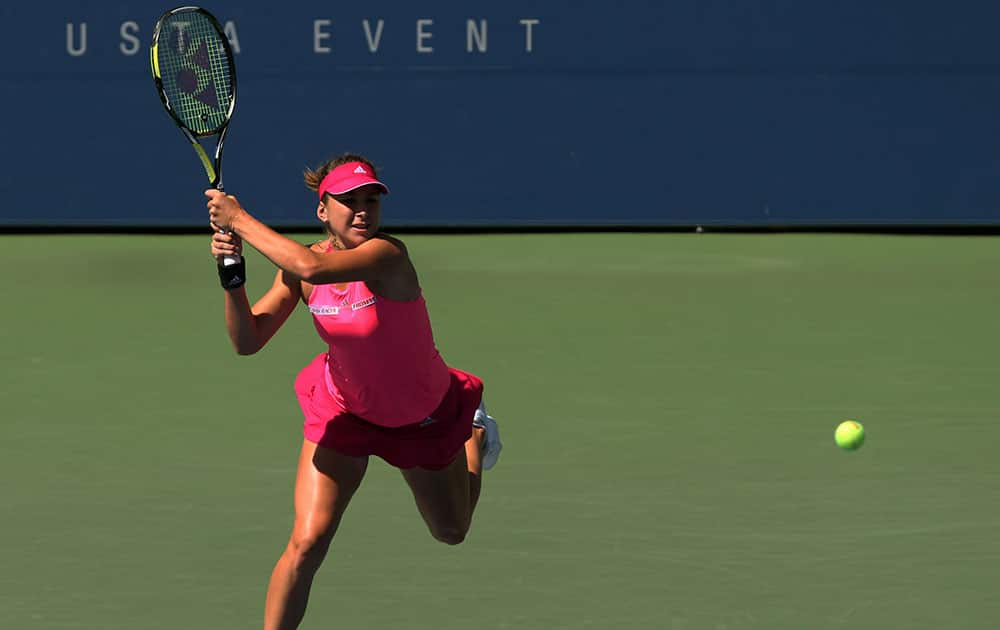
point(228, 261)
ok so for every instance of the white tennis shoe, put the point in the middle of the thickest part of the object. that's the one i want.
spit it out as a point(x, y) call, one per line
point(491, 445)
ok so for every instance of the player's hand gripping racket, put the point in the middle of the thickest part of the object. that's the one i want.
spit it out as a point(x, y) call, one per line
point(195, 75)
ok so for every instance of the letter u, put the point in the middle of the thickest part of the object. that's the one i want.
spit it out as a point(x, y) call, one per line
point(71, 47)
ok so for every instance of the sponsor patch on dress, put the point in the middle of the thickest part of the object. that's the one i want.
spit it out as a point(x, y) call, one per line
point(329, 309)
point(323, 309)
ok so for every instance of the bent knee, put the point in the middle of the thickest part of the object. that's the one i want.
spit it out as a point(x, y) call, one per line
point(449, 535)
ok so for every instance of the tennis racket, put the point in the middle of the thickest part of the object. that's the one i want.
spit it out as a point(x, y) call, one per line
point(195, 76)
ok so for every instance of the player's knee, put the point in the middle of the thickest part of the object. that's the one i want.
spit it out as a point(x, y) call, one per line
point(450, 535)
point(307, 549)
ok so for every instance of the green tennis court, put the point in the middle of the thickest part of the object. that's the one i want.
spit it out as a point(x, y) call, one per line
point(667, 403)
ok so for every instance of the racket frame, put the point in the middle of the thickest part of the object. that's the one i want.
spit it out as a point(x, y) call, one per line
point(213, 165)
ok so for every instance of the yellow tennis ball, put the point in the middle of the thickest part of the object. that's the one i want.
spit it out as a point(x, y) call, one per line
point(850, 435)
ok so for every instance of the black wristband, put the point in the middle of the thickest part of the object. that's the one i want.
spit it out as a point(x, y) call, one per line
point(233, 276)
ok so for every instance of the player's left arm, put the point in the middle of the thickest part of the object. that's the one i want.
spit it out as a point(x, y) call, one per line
point(367, 262)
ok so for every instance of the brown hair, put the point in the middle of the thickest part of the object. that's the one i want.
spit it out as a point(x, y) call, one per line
point(314, 177)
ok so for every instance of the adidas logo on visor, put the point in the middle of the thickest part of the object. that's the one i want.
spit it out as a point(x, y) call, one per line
point(361, 169)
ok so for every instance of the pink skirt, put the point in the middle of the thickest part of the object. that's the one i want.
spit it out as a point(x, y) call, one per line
point(432, 443)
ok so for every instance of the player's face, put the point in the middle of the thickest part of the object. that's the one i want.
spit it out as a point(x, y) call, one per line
point(353, 217)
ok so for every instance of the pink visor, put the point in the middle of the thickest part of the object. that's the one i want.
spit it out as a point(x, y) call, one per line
point(347, 177)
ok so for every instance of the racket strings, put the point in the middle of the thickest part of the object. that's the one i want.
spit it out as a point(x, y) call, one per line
point(196, 72)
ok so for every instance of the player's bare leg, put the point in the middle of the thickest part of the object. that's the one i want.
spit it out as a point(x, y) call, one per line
point(474, 464)
point(443, 498)
point(324, 485)
point(446, 498)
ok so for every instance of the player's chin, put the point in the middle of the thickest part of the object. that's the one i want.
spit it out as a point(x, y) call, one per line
point(353, 238)
point(360, 234)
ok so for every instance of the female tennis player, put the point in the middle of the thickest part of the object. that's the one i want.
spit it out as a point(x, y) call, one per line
point(381, 388)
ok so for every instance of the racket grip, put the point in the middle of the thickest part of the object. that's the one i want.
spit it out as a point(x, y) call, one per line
point(228, 261)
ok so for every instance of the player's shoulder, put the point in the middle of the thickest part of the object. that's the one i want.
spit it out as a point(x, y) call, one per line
point(388, 244)
point(397, 279)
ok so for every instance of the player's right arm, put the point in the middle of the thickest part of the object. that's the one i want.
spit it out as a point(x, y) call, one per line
point(250, 328)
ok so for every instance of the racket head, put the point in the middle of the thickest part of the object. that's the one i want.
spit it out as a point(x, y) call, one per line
point(194, 70)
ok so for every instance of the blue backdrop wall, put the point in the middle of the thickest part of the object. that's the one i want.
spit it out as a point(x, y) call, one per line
point(517, 112)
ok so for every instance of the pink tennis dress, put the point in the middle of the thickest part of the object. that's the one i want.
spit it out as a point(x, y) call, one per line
point(382, 388)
